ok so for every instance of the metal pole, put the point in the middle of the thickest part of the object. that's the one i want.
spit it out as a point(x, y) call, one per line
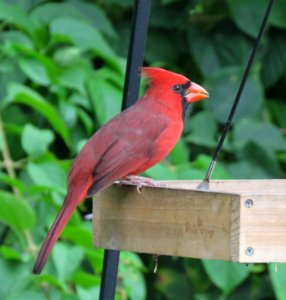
point(136, 52)
point(130, 96)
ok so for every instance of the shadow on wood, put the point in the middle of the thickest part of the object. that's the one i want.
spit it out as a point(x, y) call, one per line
point(236, 220)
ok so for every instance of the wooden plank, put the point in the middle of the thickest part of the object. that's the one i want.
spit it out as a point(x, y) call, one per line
point(164, 221)
point(256, 186)
point(235, 231)
point(182, 221)
point(263, 228)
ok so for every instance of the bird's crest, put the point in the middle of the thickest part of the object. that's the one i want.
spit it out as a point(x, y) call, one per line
point(158, 75)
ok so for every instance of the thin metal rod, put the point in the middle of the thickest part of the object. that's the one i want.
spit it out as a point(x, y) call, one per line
point(130, 96)
point(239, 92)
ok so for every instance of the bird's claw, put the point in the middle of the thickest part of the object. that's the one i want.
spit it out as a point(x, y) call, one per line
point(140, 182)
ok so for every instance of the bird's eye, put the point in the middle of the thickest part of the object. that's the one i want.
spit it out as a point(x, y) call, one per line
point(177, 88)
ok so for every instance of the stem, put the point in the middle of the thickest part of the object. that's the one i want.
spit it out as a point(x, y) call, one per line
point(7, 161)
point(9, 165)
point(12, 164)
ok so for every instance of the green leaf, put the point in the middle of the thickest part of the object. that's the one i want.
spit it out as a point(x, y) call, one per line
point(174, 285)
point(15, 212)
point(245, 169)
point(225, 275)
point(81, 34)
point(80, 235)
point(73, 78)
point(264, 134)
point(66, 259)
point(233, 48)
point(278, 111)
point(88, 12)
point(46, 278)
point(86, 120)
point(66, 56)
point(85, 280)
point(9, 72)
point(69, 113)
point(80, 101)
point(16, 38)
point(14, 276)
point(41, 65)
point(36, 141)
point(95, 258)
point(96, 16)
point(203, 51)
point(277, 273)
point(198, 168)
point(211, 50)
point(180, 153)
point(4, 178)
point(278, 14)
point(49, 175)
point(159, 48)
point(248, 15)
point(87, 293)
point(223, 86)
point(27, 295)
point(34, 70)
point(203, 161)
point(18, 93)
point(162, 14)
point(10, 253)
point(13, 14)
point(188, 172)
point(134, 284)
point(255, 162)
point(200, 133)
point(48, 12)
point(257, 154)
point(161, 171)
point(274, 61)
point(106, 98)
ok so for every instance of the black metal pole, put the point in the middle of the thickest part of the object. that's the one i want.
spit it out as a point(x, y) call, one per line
point(130, 95)
point(136, 52)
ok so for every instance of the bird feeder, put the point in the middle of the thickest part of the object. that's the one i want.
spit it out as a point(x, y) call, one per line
point(235, 220)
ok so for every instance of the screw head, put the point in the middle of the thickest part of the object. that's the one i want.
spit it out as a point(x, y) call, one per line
point(248, 203)
point(249, 251)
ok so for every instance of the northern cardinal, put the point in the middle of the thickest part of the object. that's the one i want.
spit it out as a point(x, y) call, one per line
point(130, 143)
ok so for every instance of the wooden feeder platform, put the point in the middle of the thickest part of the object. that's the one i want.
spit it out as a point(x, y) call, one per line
point(235, 220)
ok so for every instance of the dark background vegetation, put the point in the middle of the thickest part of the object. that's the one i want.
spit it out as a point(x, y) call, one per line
point(62, 67)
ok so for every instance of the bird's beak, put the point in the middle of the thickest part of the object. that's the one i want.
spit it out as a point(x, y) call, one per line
point(195, 93)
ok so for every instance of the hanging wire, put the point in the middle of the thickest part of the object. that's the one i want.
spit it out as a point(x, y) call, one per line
point(204, 183)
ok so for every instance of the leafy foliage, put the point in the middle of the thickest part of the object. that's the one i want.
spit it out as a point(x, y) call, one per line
point(61, 77)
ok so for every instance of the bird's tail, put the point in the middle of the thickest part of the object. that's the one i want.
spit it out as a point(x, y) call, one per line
point(72, 200)
point(53, 235)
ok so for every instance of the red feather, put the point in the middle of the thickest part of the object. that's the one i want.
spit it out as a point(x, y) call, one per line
point(130, 143)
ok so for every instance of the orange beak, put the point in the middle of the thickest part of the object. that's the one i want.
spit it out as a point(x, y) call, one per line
point(196, 93)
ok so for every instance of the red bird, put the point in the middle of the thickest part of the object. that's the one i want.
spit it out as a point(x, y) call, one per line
point(130, 143)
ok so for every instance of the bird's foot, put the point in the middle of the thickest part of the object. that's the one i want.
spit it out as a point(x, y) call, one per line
point(140, 181)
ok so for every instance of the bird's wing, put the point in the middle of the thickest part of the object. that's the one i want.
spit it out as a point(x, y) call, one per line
point(128, 153)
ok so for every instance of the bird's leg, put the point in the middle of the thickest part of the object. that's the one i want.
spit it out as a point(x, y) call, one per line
point(140, 181)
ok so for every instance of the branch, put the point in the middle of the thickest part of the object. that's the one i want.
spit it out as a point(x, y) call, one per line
point(9, 165)
point(7, 161)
